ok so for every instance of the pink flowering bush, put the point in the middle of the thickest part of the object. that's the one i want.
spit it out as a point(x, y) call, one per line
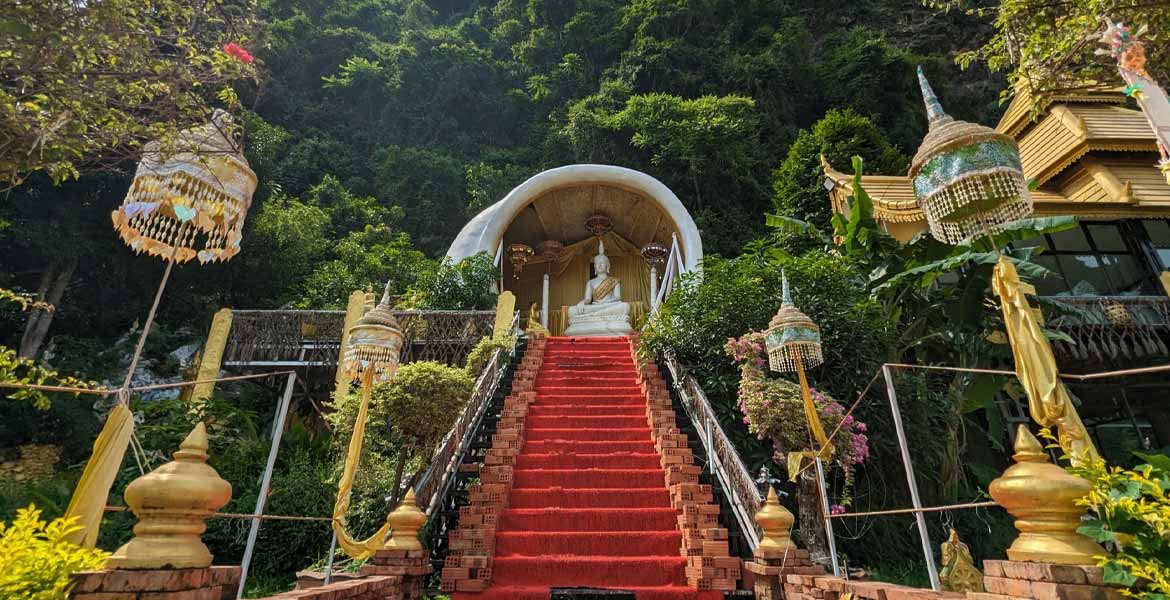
point(773, 410)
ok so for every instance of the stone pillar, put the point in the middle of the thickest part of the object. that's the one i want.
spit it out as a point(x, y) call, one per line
point(212, 357)
point(354, 309)
point(1043, 499)
point(404, 556)
point(777, 556)
point(166, 557)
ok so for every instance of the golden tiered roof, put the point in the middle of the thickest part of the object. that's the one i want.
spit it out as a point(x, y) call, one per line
point(1088, 154)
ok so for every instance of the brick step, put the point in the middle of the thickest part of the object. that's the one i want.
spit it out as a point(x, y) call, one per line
point(565, 497)
point(596, 543)
point(586, 421)
point(588, 446)
point(612, 460)
point(526, 592)
point(608, 571)
point(589, 380)
point(588, 519)
point(595, 478)
point(633, 434)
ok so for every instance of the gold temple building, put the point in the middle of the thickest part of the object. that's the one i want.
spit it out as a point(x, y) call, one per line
point(1092, 156)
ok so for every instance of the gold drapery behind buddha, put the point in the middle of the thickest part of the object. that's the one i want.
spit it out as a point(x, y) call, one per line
point(569, 274)
point(1048, 402)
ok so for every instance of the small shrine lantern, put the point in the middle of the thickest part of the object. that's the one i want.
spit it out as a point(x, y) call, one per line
point(967, 177)
point(375, 343)
point(189, 197)
point(793, 341)
point(519, 255)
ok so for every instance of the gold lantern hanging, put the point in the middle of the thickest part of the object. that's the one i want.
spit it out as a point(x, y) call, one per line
point(519, 255)
point(654, 254)
point(189, 197)
point(599, 224)
point(550, 250)
point(967, 177)
point(793, 341)
point(375, 343)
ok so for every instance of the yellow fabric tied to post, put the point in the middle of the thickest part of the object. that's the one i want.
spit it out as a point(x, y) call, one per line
point(1048, 401)
point(93, 489)
point(356, 549)
point(818, 432)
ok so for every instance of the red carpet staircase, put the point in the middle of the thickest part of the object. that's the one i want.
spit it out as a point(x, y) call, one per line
point(588, 484)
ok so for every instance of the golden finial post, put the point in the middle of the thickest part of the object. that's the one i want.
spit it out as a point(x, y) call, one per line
point(172, 504)
point(775, 523)
point(1043, 499)
point(405, 522)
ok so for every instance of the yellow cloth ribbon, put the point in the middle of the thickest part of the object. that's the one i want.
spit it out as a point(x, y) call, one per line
point(356, 549)
point(814, 424)
point(93, 489)
point(1048, 402)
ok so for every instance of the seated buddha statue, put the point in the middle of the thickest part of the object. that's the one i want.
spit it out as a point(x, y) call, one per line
point(601, 313)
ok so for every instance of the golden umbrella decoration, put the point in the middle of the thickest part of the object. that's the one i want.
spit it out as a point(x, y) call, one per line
point(967, 177)
point(793, 341)
point(188, 200)
point(375, 344)
point(968, 181)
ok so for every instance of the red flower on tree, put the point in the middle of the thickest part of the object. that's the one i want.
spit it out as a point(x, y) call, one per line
point(237, 51)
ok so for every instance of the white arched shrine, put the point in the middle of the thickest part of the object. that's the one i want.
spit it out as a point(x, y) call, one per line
point(554, 204)
point(579, 191)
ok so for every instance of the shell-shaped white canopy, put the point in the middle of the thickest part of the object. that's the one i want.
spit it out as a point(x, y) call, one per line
point(553, 205)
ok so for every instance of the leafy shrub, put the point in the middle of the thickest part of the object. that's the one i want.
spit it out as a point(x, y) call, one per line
point(479, 356)
point(1130, 512)
point(36, 559)
point(408, 416)
point(774, 409)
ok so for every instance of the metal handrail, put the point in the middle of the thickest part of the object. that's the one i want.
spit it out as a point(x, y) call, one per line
point(434, 485)
point(723, 459)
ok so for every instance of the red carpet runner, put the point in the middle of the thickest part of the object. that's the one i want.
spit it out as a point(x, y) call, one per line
point(588, 506)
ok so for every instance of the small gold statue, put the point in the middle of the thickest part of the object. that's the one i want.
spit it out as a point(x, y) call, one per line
point(534, 327)
point(959, 573)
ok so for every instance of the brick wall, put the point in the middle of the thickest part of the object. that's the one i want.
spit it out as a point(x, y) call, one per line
point(212, 583)
point(367, 588)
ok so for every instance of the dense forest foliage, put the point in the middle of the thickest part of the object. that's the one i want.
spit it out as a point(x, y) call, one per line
point(379, 127)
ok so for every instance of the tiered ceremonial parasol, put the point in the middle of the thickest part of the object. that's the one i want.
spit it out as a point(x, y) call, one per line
point(375, 343)
point(793, 342)
point(519, 255)
point(967, 177)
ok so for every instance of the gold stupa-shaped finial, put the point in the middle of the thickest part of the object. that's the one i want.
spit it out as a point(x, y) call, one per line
point(1042, 497)
point(405, 521)
point(172, 504)
point(775, 522)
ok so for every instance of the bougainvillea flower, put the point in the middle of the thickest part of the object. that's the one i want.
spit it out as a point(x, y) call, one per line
point(237, 51)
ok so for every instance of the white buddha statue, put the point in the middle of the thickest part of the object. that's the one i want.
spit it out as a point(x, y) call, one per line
point(601, 313)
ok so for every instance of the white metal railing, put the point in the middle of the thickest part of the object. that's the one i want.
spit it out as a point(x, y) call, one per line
point(723, 459)
point(444, 463)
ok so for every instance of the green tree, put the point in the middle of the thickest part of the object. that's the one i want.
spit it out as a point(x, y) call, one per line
point(1051, 48)
point(798, 184)
point(84, 84)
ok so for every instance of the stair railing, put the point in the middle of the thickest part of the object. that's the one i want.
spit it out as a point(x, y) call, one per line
point(723, 459)
point(436, 481)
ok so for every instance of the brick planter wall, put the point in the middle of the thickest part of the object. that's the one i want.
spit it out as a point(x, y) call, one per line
point(366, 588)
point(212, 583)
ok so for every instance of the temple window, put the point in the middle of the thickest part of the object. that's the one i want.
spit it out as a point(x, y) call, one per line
point(1113, 258)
